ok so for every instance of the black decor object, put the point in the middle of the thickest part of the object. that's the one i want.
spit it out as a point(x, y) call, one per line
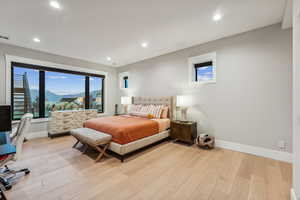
point(5, 118)
point(116, 109)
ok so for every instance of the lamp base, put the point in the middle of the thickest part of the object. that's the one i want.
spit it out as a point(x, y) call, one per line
point(125, 109)
point(184, 114)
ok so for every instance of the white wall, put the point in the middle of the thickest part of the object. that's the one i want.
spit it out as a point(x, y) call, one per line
point(251, 101)
point(296, 99)
point(111, 79)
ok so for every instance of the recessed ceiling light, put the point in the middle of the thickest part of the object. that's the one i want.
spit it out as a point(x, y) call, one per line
point(55, 4)
point(144, 44)
point(217, 17)
point(108, 58)
point(36, 39)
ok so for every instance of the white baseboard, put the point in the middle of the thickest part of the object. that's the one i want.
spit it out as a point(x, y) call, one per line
point(293, 194)
point(258, 151)
point(38, 134)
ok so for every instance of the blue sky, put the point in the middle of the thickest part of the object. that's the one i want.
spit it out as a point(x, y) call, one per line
point(32, 75)
point(205, 73)
point(60, 83)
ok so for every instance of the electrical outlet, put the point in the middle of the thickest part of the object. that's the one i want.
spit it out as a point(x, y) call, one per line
point(282, 145)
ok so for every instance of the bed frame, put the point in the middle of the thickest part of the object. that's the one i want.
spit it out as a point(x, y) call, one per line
point(125, 150)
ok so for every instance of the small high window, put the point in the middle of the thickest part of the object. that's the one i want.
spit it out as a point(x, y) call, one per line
point(202, 69)
point(125, 81)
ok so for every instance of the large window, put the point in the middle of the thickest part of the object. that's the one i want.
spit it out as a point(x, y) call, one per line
point(25, 92)
point(64, 91)
point(40, 90)
point(95, 89)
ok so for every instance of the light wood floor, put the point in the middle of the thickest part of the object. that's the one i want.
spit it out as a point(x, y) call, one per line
point(166, 171)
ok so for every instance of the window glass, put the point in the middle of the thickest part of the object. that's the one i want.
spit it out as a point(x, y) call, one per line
point(96, 98)
point(25, 96)
point(40, 90)
point(64, 91)
point(204, 72)
point(126, 82)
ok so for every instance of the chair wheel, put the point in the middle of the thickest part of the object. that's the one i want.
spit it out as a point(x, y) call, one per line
point(5, 183)
point(8, 187)
point(26, 171)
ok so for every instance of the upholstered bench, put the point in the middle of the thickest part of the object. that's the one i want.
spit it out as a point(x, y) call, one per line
point(89, 137)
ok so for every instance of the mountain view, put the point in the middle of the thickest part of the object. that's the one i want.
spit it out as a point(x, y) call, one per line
point(52, 97)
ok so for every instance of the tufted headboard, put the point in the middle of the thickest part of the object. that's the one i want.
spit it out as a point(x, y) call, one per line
point(168, 101)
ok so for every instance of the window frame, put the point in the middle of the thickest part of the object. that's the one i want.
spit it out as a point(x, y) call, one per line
point(122, 75)
point(192, 61)
point(42, 70)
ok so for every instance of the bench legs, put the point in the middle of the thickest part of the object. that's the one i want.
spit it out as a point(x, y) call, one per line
point(75, 144)
point(98, 148)
point(101, 152)
point(85, 146)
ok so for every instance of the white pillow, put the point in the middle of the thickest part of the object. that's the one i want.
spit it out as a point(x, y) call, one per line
point(135, 108)
point(139, 114)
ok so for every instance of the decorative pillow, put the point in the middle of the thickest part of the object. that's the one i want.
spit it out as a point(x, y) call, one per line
point(135, 108)
point(146, 108)
point(150, 116)
point(139, 114)
point(143, 115)
point(164, 113)
point(156, 111)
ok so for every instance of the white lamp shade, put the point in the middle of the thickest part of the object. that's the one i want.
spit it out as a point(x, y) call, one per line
point(126, 100)
point(184, 101)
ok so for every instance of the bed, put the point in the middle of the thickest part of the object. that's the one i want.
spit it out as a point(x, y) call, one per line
point(131, 133)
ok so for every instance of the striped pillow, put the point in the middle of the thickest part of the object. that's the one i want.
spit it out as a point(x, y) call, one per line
point(156, 110)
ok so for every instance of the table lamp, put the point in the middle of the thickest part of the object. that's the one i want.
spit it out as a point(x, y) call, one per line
point(125, 101)
point(183, 102)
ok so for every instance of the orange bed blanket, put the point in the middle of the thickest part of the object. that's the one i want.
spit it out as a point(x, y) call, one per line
point(124, 129)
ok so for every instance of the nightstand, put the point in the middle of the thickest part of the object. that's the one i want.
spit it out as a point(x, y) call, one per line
point(184, 131)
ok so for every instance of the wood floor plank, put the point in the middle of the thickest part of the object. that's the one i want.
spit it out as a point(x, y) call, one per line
point(167, 171)
point(240, 189)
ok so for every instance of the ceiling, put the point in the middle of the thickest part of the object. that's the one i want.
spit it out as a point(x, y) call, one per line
point(95, 29)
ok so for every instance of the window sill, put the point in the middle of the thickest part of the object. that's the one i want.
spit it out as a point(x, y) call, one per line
point(42, 120)
point(199, 84)
point(33, 121)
